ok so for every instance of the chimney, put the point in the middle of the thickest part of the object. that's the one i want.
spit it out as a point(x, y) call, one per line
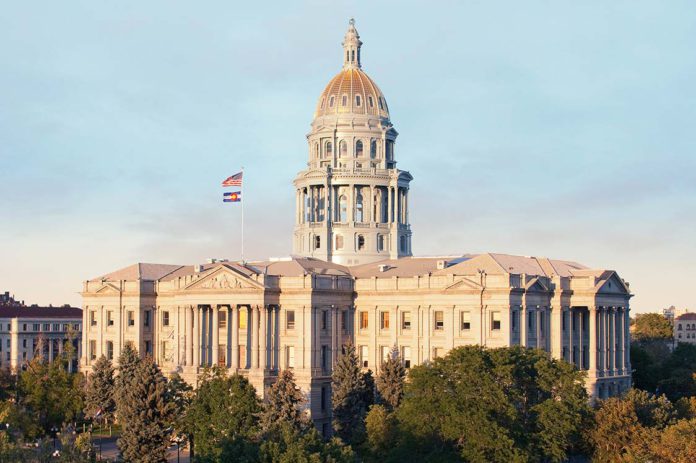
point(197, 268)
point(441, 264)
point(383, 267)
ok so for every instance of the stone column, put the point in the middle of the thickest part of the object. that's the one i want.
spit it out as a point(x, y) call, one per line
point(228, 337)
point(571, 334)
point(188, 325)
point(334, 336)
point(265, 339)
point(196, 328)
point(255, 337)
point(216, 334)
point(627, 342)
point(275, 313)
point(612, 340)
point(621, 331)
point(234, 311)
point(523, 326)
point(593, 341)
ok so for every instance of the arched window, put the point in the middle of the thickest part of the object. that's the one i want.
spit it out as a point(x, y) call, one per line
point(371, 101)
point(380, 243)
point(344, 100)
point(361, 242)
point(379, 100)
point(329, 149)
point(343, 209)
point(390, 150)
point(317, 242)
point(403, 243)
point(373, 149)
point(385, 206)
point(323, 100)
point(316, 149)
point(331, 101)
point(343, 149)
point(358, 149)
point(359, 207)
point(357, 100)
point(339, 242)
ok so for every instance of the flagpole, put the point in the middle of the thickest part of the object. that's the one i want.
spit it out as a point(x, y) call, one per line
point(243, 201)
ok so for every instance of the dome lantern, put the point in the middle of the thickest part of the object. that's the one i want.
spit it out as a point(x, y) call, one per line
point(351, 47)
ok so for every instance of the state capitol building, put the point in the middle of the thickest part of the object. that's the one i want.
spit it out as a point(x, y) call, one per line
point(353, 279)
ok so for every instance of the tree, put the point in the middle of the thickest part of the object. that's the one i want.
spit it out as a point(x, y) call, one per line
point(128, 363)
point(677, 443)
point(146, 415)
point(490, 405)
point(390, 380)
point(283, 405)
point(381, 431)
point(677, 373)
point(99, 397)
point(652, 326)
point(223, 418)
point(350, 397)
point(180, 395)
point(293, 446)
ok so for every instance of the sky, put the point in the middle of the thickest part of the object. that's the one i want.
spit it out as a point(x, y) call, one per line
point(542, 128)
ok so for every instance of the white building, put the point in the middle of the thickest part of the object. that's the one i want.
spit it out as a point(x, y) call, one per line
point(685, 328)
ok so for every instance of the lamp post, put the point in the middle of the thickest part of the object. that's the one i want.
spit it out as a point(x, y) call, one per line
point(54, 433)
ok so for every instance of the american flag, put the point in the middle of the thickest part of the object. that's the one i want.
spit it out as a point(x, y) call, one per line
point(235, 180)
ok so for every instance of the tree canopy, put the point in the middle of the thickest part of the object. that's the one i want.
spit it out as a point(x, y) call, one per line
point(651, 326)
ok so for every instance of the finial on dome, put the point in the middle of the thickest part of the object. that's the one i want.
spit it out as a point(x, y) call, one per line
point(351, 47)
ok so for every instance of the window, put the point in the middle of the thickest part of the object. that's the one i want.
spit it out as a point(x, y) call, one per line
point(563, 321)
point(403, 243)
point(439, 320)
point(406, 320)
point(92, 349)
point(324, 319)
point(344, 100)
point(109, 350)
point(364, 317)
point(148, 347)
point(323, 398)
point(290, 320)
point(466, 321)
point(530, 320)
point(325, 358)
point(76, 326)
point(339, 242)
point(243, 314)
point(47, 327)
point(222, 319)
point(110, 318)
point(406, 356)
point(370, 101)
point(343, 149)
point(290, 357)
point(379, 100)
point(317, 242)
point(357, 100)
point(56, 327)
point(323, 100)
point(146, 321)
point(380, 243)
point(364, 359)
point(131, 319)
point(343, 209)
point(359, 207)
point(331, 102)
point(358, 149)
point(329, 149)
point(24, 343)
point(437, 352)
point(165, 317)
point(344, 317)
point(24, 327)
point(373, 149)
point(384, 320)
point(37, 326)
point(242, 356)
point(93, 318)
point(495, 320)
point(361, 242)
point(514, 320)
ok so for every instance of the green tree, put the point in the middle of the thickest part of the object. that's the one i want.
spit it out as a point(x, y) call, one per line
point(146, 414)
point(350, 397)
point(677, 443)
point(490, 405)
point(652, 326)
point(381, 432)
point(128, 364)
point(390, 380)
point(180, 395)
point(223, 418)
point(294, 446)
point(99, 397)
point(284, 402)
point(677, 373)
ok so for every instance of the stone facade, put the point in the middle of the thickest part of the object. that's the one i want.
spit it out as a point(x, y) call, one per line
point(685, 328)
point(353, 279)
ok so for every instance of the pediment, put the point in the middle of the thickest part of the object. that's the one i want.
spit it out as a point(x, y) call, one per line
point(224, 278)
point(535, 284)
point(462, 284)
point(614, 285)
point(107, 288)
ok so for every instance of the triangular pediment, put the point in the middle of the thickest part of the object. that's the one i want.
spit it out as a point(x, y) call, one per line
point(108, 288)
point(223, 278)
point(463, 284)
point(535, 284)
point(614, 285)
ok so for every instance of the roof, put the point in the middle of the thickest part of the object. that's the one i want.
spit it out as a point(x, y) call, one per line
point(142, 271)
point(687, 316)
point(40, 312)
point(352, 83)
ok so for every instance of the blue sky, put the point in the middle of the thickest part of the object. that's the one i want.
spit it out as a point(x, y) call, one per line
point(559, 129)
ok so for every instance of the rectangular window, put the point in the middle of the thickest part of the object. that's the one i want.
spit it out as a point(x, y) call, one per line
point(76, 326)
point(24, 327)
point(541, 322)
point(514, 320)
point(344, 317)
point(530, 320)
point(109, 318)
point(406, 356)
point(243, 315)
point(36, 326)
point(109, 350)
point(406, 320)
point(384, 320)
point(364, 359)
point(290, 361)
point(92, 349)
point(131, 318)
point(65, 326)
point(56, 327)
point(146, 321)
point(24, 343)
point(165, 318)
point(364, 317)
point(325, 358)
point(437, 352)
point(495, 321)
point(290, 319)
point(323, 398)
point(47, 327)
point(324, 319)
point(564, 319)
point(466, 321)
point(439, 320)
point(93, 318)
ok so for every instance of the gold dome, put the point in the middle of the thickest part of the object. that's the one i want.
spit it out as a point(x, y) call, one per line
point(351, 91)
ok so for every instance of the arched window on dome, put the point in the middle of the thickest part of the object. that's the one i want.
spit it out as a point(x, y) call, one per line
point(343, 209)
point(331, 101)
point(373, 149)
point(323, 100)
point(359, 215)
point(370, 101)
point(343, 149)
point(358, 149)
point(344, 100)
point(329, 149)
point(357, 100)
point(379, 100)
